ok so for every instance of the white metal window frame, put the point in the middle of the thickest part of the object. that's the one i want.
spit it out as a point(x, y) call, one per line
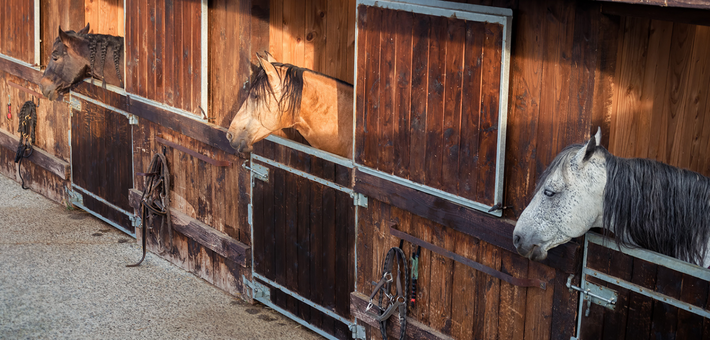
point(502, 16)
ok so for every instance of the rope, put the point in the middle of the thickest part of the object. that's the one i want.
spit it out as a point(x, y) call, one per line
point(26, 128)
point(156, 199)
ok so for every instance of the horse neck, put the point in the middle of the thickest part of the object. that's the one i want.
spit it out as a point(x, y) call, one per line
point(107, 67)
point(325, 116)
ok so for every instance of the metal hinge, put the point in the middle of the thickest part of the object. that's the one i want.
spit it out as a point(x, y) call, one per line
point(257, 291)
point(259, 171)
point(75, 103)
point(132, 119)
point(596, 294)
point(359, 199)
point(135, 221)
point(358, 331)
point(75, 197)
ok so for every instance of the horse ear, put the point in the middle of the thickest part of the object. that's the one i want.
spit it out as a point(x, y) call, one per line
point(270, 58)
point(70, 40)
point(271, 73)
point(84, 30)
point(586, 152)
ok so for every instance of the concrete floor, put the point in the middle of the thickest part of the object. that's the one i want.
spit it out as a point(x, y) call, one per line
point(63, 276)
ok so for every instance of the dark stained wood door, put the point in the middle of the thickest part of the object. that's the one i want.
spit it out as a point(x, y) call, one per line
point(102, 163)
point(304, 235)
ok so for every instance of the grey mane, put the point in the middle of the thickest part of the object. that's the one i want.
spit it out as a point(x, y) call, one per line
point(657, 206)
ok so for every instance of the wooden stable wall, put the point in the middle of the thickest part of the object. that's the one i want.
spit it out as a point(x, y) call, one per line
point(163, 52)
point(17, 29)
point(660, 105)
point(428, 91)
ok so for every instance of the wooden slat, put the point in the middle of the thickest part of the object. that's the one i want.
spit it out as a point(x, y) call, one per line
point(373, 80)
point(700, 4)
point(386, 115)
point(457, 217)
point(435, 101)
point(39, 157)
point(415, 329)
point(402, 91)
point(203, 234)
point(419, 83)
point(363, 22)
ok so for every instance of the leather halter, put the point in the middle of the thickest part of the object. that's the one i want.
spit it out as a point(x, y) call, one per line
point(395, 303)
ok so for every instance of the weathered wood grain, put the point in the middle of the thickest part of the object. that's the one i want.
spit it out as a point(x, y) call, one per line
point(203, 234)
point(41, 158)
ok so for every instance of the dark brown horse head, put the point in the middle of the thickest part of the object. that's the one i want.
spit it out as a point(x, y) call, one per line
point(74, 57)
point(68, 63)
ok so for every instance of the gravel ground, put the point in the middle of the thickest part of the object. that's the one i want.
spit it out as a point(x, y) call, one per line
point(63, 276)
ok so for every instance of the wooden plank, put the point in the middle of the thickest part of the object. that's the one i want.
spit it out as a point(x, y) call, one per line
point(441, 285)
point(492, 230)
point(418, 118)
point(203, 234)
point(20, 71)
point(435, 101)
point(360, 94)
point(665, 5)
point(303, 246)
point(415, 329)
point(538, 310)
point(159, 52)
point(604, 80)
point(664, 323)
point(41, 158)
point(471, 110)
point(329, 244)
point(511, 315)
point(638, 323)
point(695, 292)
point(451, 126)
point(464, 286)
point(384, 133)
point(372, 89)
point(564, 308)
point(316, 254)
point(169, 56)
point(344, 222)
point(151, 56)
point(524, 108)
point(196, 57)
point(402, 91)
point(620, 266)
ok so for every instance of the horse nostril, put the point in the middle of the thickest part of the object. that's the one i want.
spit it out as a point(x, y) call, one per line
point(229, 136)
point(516, 240)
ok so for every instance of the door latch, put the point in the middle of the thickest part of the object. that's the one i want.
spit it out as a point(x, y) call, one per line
point(259, 171)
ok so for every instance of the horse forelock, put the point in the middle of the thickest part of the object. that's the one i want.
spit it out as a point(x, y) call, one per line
point(561, 160)
point(658, 207)
point(291, 87)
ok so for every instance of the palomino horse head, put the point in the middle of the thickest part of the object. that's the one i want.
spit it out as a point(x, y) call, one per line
point(266, 109)
point(72, 59)
point(567, 203)
point(282, 96)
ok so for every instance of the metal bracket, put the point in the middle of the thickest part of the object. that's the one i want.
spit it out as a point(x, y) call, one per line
point(132, 120)
point(259, 171)
point(596, 294)
point(135, 221)
point(259, 292)
point(75, 103)
point(75, 197)
point(249, 214)
point(359, 199)
point(358, 331)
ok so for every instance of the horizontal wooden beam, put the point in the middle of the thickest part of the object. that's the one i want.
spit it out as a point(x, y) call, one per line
point(203, 234)
point(41, 158)
point(192, 153)
point(496, 231)
point(698, 4)
point(19, 70)
point(680, 15)
point(415, 329)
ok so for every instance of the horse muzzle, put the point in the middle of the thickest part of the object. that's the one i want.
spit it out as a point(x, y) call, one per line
point(528, 248)
point(48, 88)
point(239, 144)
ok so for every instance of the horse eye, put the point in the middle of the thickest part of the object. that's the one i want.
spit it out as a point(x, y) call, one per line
point(549, 193)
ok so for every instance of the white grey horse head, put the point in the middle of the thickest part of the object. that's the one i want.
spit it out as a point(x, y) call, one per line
point(568, 201)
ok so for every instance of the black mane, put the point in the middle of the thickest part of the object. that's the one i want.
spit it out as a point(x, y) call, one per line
point(292, 86)
point(658, 207)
